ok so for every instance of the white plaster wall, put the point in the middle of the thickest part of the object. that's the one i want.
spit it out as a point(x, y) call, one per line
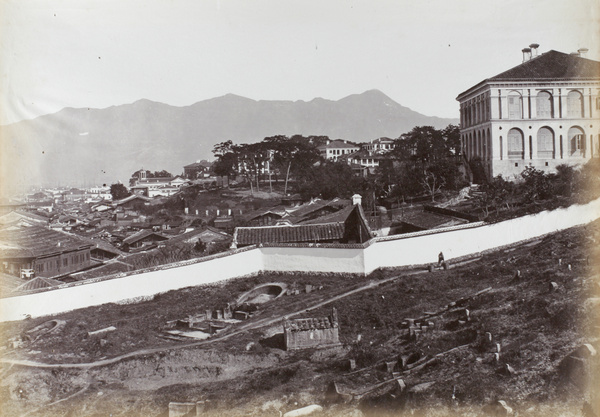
point(339, 260)
point(456, 243)
point(131, 286)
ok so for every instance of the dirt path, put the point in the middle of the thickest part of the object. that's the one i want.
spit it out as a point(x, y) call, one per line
point(241, 329)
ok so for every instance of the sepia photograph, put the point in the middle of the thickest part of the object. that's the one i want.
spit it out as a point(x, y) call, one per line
point(287, 208)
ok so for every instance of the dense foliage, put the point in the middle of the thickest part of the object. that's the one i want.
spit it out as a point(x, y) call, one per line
point(119, 191)
point(423, 162)
point(538, 189)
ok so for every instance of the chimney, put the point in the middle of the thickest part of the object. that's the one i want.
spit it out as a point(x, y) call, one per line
point(534, 51)
point(356, 199)
point(582, 52)
point(526, 54)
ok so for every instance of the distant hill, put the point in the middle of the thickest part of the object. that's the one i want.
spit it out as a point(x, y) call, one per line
point(94, 146)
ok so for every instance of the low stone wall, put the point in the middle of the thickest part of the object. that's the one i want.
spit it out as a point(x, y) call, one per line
point(391, 251)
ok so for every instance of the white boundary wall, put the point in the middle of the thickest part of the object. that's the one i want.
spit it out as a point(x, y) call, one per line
point(314, 259)
point(456, 242)
point(392, 251)
point(130, 287)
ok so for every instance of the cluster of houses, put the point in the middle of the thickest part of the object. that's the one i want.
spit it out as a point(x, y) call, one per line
point(67, 239)
point(362, 157)
point(71, 240)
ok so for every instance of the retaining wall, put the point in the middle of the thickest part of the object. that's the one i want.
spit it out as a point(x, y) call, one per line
point(391, 251)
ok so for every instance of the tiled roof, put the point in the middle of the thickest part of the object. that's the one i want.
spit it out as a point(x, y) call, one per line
point(382, 139)
point(8, 283)
point(306, 209)
point(16, 215)
point(37, 283)
point(132, 197)
point(289, 234)
point(365, 154)
point(552, 65)
point(339, 216)
point(299, 325)
point(142, 234)
point(218, 234)
point(277, 211)
point(102, 244)
point(110, 267)
point(337, 144)
point(36, 241)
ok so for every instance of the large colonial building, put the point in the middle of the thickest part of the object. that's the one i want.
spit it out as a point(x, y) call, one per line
point(541, 113)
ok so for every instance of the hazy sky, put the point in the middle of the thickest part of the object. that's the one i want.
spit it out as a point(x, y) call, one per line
point(421, 53)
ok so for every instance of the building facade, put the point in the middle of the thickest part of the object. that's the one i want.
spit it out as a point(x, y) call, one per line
point(541, 113)
point(380, 145)
point(197, 170)
point(35, 251)
point(336, 148)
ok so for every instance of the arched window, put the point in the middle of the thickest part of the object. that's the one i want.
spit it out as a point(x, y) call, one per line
point(574, 104)
point(484, 145)
point(516, 144)
point(576, 141)
point(545, 143)
point(515, 107)
point(543, 105)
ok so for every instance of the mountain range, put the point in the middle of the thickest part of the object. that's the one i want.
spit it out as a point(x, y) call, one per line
point(86, 146)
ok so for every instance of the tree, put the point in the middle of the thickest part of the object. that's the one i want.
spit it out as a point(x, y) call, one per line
point(588, 180)
point(565, 179)
point(495, 194)
point(227, 160)
point(252, 158)
point(162, 174)
point(432, 184)
point(423, 144)
point(536, 184)
point(451, 135)
point(447, 170)
point(119, 191)
point(328, 179)
point(298, 152)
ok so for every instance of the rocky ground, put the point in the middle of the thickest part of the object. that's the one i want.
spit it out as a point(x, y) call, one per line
point(475, 339)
